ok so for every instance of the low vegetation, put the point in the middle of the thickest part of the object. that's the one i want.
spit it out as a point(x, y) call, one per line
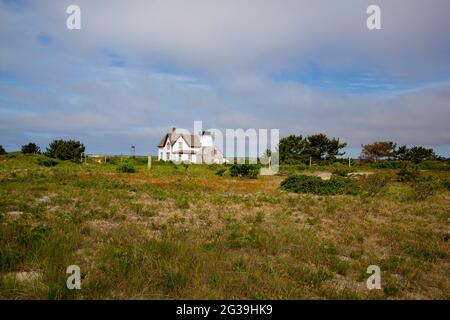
point(316, 185)
point(244, 170)
point(126, 166)
point(46, 162)
point(196, 232)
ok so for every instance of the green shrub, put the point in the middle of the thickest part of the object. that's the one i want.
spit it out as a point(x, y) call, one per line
point(112, 160)
point(408, 172)
point(310, 184)
point(65, 150)
point(2, 150)
point(126, 166)
point(386, 164)
point(302, 167)
point(221, 172)
point(244, 170)
point(372, 184)
point(31, 148)
point(340, 169)
point(390, 290)
point(446, 183)
point(47, 162)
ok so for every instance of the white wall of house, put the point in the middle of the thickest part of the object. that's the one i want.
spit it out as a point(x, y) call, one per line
point(172, 152)
point(206, 140)
point(165, 153)
point(180, 145)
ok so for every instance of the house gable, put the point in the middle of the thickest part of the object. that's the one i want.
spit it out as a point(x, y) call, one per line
point(162, 143)
point(176, 144)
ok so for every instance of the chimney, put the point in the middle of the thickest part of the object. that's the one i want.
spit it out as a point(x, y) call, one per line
point(174, 129)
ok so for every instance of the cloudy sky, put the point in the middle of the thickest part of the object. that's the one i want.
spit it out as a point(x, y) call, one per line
point(137, 68)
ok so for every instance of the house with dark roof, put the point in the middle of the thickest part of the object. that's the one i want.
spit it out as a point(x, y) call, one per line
point(191, 148)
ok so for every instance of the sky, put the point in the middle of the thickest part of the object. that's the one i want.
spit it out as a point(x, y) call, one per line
point(137, 68)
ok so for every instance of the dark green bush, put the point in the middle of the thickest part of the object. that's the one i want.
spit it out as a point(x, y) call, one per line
point(31, 148)
point(390, 290)
point(244, 170)
point(446, 183)
point(2, 150)
point(221, 172)
point(126, 166)
point(340, 169)
point(65, 150)
point(386, 164)
point(311, 184)
point(408, 172)
point(113, 160)
point(47, 162)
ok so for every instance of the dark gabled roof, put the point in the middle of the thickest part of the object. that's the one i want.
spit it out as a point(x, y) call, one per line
point(162, 143)
point(192, 140)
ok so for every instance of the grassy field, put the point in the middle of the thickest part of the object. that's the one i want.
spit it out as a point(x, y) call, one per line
point(185, 232)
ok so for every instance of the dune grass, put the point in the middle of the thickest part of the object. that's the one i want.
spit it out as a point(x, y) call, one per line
point(183, 232)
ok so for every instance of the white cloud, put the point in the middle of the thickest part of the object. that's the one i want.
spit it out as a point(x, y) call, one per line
point(214, 61)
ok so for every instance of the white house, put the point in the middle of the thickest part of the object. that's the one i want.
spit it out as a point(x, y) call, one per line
point(189, 148)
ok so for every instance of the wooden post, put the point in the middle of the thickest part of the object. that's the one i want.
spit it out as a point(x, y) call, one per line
point(149, 163)
point(310, 162)
point(349, 162)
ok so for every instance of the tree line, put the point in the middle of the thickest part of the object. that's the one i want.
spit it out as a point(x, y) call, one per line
point(321, 148)
point(291, 149)
point(58, 149)
point(295, 149)
point(388, 150)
